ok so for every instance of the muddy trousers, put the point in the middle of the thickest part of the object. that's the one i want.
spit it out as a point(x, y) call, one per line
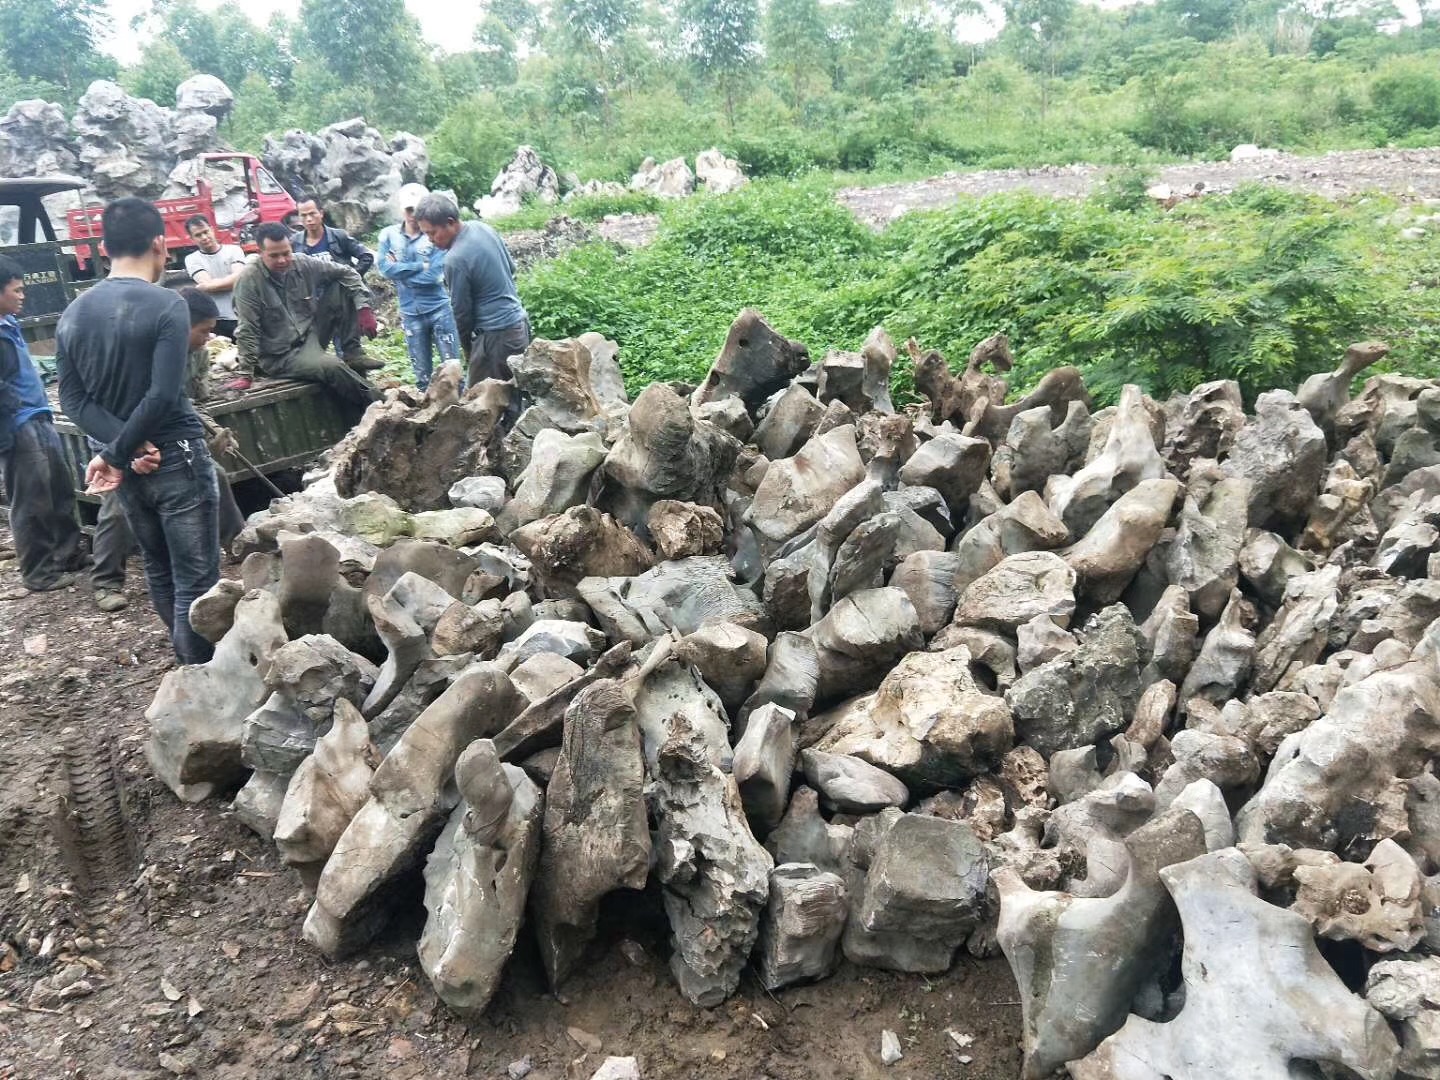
point(490, 352)
point(310, 362)
point(42, 504)
point(173, 514)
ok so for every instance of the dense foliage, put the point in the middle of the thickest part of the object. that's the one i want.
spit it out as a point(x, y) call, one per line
point(787, 86)
point(1262, 287)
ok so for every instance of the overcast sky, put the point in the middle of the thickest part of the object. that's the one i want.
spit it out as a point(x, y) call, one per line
point(447, 23)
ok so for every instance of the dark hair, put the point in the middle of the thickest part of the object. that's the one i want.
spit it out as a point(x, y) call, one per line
point(437, 209)
point(198, 219)
point(130, 226)
point(271, 230)
point(305, 197)
point(202, 307)
point(9, 271)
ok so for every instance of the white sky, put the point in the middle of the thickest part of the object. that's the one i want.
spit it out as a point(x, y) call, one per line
point(446, 23)
point(449, 24)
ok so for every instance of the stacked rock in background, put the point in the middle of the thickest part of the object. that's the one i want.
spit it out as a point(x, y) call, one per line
point(1076, 685)
point(123, 145)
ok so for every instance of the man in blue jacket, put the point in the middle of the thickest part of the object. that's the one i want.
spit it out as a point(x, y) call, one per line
point(41, 489)
point(417, 266)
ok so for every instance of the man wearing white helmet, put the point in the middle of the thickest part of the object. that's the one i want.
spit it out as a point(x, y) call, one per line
point(417, 267)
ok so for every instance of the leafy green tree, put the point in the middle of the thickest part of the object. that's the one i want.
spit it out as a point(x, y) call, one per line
point(55, 41)
point(1035, 29)
point(159, 71)
point(720, 39)
point(257, 113)
point(495, 48)
point(520, 17)
point(226, 42)
point(371, 41)
point(796, 42)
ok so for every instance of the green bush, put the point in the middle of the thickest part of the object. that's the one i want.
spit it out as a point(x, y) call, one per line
point(1406, 99)
point(1264, 286)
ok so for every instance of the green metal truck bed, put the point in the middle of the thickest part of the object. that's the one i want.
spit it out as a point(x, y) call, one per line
point(279, 423)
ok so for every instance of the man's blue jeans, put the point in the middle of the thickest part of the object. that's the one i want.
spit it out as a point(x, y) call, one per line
point(173, 513)
point(425, 333)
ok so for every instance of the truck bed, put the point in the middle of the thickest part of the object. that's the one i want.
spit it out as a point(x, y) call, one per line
point(279, 423)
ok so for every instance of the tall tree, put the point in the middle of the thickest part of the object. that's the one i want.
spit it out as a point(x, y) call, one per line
point(1034, 29)
point(160, 70)
point(520, 17)
point(720, 38)
point(55, 41)
point(796, 42)
point(371, 41)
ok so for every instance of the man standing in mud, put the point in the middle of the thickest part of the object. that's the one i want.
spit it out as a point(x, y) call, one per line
point(37, 480)
point(122, 349)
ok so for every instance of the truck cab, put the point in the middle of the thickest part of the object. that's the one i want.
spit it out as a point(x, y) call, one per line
point(234, 192)
point(49, 262)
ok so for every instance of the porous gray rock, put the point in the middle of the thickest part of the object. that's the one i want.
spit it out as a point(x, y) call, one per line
point(477, 879)
point(1084, 695)
point(1281, 452)
point(801, 927)
point(929, 723)
point(714, 875)
point(754, 363)
point(1286, 1006)
point(595, 835)
point(850, 785)
point(197, 716)
point(1018, 589)
point(923, 894)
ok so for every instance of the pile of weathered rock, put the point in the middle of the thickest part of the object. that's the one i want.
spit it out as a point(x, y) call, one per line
point(528, 179)
point(124, 145)
point(1145, 697)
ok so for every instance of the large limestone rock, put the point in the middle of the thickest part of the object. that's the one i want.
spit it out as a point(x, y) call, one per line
point(35, 141)
point(1018, 589)
point(555, 377)
point(415, 449)
point(718, 174)
point(1129, 456)
point(477, 879)
point(665, 452)
point(557, 477)
point(198, 714)
point(1282, 453)
point(1086, 695)
point(411, 795)
point(1337, 782)
point(669, 180)
point(754, 363)
point(1079, 961)
point(327, 790)
point(714, 874)
point(929, 723)
point(800, 930)
point(126, 145)
point(580, 543)
point(525, 179)
point(1108, 557)
point(924, 892)
point(1251, 971)
point(595, 835)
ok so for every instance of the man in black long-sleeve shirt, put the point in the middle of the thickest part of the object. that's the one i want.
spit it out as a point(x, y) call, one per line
point(122, 348)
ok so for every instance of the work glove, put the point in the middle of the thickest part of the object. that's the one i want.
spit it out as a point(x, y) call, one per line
point(366, 320)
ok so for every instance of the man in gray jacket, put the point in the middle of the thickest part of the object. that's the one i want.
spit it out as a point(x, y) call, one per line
point(290, 306)
point(480, 276)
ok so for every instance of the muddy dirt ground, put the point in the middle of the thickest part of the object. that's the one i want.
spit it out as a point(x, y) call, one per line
point(189, 960)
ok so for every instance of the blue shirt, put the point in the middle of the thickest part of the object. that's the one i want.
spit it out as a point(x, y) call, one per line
point(417, 270)
point(22, 393)
point(481, 278)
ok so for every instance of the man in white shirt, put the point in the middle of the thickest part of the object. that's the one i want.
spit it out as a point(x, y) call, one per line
point(214, 267)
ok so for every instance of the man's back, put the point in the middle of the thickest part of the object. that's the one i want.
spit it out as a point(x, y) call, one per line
point(481, 277)
point(121, 350)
